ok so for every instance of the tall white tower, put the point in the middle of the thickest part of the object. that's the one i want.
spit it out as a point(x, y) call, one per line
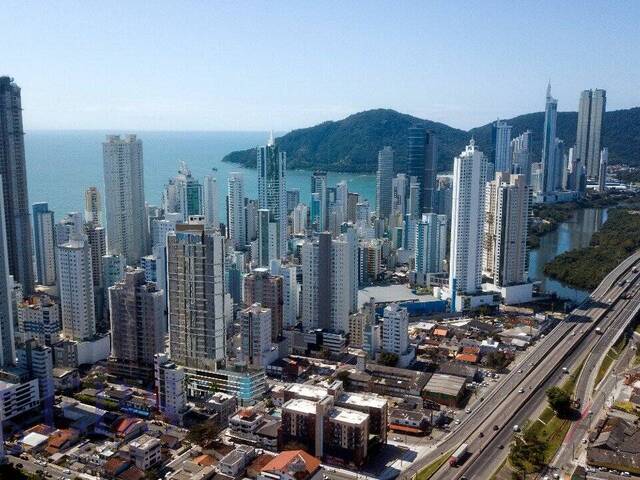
point(272, 189)
point(467, 221)
point(75, 282)
point(124, 194)
point(210, 207)
point(383, 182)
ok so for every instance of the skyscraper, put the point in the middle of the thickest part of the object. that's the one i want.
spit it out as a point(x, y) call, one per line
point(422, 163)
point(268, 236)
point(75, 282)
point(602, 173)
point(137, 321)
point(507, 210)
point(549, 161)
point(210, 207)
point(272, 189)
point(14, 185)
point(319, 208)
point(124, 194)
point(593, 104)
point(236, 224)
point(502, 146)
point(44, 239)
point(92, 205)
point(467, 221)
point(521, 155)
point(7, 339)
point(383, 182)
point(196, 289)
point(183, 194)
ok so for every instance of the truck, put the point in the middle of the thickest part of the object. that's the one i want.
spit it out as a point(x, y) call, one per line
point(458, 456)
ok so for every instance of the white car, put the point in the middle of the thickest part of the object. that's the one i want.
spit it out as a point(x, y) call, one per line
point(468, 410)
point(457, 422)
point(521, 390)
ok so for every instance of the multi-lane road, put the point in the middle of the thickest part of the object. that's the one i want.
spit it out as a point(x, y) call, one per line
point(521, 393)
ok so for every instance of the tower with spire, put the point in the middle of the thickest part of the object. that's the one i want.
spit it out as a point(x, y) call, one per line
point(551, 173)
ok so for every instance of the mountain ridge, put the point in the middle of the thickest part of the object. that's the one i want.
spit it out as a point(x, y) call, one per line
point(351, 144)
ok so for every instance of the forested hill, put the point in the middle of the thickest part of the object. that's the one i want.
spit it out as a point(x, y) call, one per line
point(351, 144)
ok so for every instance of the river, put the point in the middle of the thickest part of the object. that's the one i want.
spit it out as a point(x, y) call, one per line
point(574, 233)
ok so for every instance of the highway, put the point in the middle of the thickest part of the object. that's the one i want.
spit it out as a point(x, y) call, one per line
point(521, 392)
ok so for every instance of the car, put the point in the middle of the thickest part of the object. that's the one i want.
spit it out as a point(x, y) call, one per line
point(520, 371)
point(468, 410)
point(496, 428)
point(584, 441)
point(457, 422)
point(625, 474)
point(67, 471)
point(521, 390)
point(500, 447)
point(481, 434)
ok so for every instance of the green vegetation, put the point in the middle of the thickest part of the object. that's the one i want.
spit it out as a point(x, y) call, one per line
point(428, 471)
point(204, 433)
point(612, 355)
point(388, 359)
point(9, 472)
point(625, 406)
point(541, 439)
point(498, 360)
point(586, 267)
point(104, 403)
point(352, 144)
point(559, 401)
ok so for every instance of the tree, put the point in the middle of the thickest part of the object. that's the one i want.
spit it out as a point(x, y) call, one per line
point(497, 360)
point(203, 433)
point(559, 401)
point(388, 359)
point(343, 376)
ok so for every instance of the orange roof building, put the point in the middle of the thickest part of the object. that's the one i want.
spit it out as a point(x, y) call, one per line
point(293, 465)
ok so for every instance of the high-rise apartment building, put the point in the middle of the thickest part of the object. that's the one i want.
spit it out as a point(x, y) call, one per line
point(467, 221)
point(300, 219)
point(210, 205)
point(255, 335)
point(92, 206)
point(124, 195)
point(602, 173)
point(502, 146)
point(330, 281)
point(39, 320)
point(236, 220)
point(75, 283)
point(384, 178)
point(137, 322)
point(395, 329)
point(319, 208)
point(550, 168)
point(593, 104)
point(13, 174)
point(272, 190)
point(183, 194)
point(7, 339)
point(422, 163)
point(521, 155)
point(507, 211)
point(44, 239)
point(431, 243)
point(290, 294)
point(196, 291)
point(268, 290)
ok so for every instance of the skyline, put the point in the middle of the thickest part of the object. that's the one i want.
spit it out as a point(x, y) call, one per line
point(126, 70)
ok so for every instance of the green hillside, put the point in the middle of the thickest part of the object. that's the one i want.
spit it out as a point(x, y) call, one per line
point(351, 144)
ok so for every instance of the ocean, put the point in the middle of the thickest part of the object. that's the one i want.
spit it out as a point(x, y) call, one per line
point(62, 164)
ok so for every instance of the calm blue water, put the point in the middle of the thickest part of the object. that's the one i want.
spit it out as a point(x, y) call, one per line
point(62, 164)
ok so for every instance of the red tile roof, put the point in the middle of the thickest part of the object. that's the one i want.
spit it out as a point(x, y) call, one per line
point(284, 461)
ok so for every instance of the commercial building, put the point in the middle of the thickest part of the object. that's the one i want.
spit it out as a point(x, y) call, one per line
point(17, 225)
point(137, 320)
point(124, 195)
point(44, 240)
point(445, 389)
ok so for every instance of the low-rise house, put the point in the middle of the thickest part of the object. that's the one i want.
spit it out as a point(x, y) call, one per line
point(413, 422)
point(145, 452)
point(617, 446)
point(236, 461)
point(445, 389)
point(62, 440)
point(291, 465)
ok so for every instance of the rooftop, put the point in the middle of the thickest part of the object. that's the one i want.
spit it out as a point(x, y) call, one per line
point(344, 415)
point(362, 400)
point(300, 405)
point(445, 384)
point(311, 392)
point(390, 294)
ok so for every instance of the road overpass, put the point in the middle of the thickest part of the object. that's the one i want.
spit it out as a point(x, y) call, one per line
point(610, 307)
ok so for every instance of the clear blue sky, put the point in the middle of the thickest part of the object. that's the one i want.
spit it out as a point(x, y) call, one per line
point(249, 65)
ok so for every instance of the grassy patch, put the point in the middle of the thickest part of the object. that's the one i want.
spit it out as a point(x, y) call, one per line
point(612, 355)
point(428, 471)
